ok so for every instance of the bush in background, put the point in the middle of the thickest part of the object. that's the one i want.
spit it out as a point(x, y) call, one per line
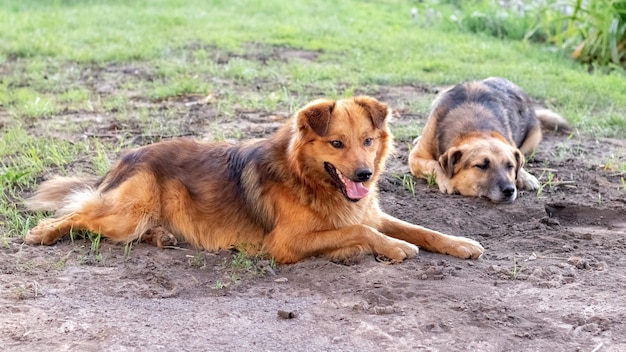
point(591, 31)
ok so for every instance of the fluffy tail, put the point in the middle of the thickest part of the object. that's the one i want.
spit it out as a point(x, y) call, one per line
point(552, 121)
point(62, 194)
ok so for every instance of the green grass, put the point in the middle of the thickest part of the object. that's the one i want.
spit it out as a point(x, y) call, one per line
point(173, 36)
point(130, 70)
point(517, 269)
point(243, 266)
point(197, 260)
point(408, 182)
point(431, 180)
point(546, 182)
point(95, 245)
point(592, 32)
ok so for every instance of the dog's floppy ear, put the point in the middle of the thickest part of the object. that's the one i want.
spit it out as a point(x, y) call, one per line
point(448, 159)
point(519, 161)
point(377, 110)
point(317, 116)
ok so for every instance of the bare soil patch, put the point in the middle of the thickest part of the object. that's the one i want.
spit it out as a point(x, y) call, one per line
point(552, 277)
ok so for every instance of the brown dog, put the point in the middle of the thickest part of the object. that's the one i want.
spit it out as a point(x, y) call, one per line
point(476, 137)
point(308, 190)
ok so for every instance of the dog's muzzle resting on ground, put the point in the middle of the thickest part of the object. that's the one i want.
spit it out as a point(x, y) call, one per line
point(308, 190)
point(476, 138)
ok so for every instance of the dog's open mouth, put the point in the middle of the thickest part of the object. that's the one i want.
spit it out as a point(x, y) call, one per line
point(353, 191)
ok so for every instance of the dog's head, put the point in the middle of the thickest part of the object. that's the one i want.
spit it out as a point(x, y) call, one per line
point(483, 166)
point(342, 143)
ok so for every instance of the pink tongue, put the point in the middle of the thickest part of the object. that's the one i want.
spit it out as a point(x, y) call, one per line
point(355, 190)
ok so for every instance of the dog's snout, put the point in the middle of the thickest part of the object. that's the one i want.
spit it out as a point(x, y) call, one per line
point(363, 174)
point(508, 191)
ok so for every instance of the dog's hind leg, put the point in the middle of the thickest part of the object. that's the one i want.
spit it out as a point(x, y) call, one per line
point(122, 214)
point(119, 226)
point(49, 231)
point(525, 180)
point(532, 141)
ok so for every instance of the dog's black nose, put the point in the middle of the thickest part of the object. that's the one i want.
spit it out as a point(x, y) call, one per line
point(363, 174)
point(508, 191)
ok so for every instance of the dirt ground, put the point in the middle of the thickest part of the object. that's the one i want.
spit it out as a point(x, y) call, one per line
point(552, 279)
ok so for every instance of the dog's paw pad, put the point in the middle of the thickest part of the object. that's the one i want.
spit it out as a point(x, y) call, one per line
point(383, 259)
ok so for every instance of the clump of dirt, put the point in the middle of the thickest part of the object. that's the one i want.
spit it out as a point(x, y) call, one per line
point(552, 277)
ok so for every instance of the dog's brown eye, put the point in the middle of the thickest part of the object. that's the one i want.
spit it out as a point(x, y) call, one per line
point(510, 166)
point(483, 166)
point(368, 141)
point(337, 144)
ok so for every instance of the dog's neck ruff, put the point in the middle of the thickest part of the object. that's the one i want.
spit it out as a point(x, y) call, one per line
point(353, 191)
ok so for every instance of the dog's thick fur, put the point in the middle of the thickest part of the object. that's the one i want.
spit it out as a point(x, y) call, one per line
point(308, 190)
point(476, 139)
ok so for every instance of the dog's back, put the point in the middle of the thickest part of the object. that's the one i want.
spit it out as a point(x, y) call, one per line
point(189, 187)
point(494, 104)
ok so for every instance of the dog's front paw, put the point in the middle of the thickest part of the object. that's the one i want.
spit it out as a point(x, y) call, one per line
point(526, 181)
point(465, 248)
point(396, 250)
point(445, 186)
point(443, 182)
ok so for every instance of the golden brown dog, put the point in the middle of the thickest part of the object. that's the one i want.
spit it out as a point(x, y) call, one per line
point(476, 137)
point(308, 190)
